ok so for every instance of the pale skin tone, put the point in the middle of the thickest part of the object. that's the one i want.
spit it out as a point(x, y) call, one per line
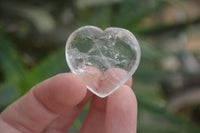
point(52, 106)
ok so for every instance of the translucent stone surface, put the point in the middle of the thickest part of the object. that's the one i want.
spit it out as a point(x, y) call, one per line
point(105, 60)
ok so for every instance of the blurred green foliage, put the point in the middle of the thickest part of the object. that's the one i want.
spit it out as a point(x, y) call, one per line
point(25, 31)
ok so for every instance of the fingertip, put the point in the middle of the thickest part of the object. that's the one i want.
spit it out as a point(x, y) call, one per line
point(121, 113)
point(124, 94)
point(61, 91)
point(75, 87)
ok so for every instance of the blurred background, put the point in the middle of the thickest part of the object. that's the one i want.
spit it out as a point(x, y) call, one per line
point(167, 83)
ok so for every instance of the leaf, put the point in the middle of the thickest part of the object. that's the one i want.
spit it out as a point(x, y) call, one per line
point(8, 93)
point(11, 64)
point(162, 115)
point(133, 11)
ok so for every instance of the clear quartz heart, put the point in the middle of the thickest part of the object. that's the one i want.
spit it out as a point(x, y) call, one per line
point(105, 60)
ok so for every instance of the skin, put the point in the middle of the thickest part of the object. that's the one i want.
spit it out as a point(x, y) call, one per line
point(52, 106)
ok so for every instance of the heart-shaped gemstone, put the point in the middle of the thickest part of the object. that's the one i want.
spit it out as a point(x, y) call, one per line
point(105, 60)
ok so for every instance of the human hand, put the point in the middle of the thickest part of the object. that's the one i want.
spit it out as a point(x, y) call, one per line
point(53, 105)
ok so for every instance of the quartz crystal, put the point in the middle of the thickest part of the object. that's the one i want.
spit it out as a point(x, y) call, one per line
point(105, 60)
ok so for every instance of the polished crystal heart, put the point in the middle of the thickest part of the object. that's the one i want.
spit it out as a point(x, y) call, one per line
point(105, 60)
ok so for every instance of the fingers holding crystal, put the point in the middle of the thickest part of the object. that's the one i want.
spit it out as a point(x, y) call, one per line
point(91, 76)
point(111, 79)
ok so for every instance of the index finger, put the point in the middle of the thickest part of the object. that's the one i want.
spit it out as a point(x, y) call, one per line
point(44, 102)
